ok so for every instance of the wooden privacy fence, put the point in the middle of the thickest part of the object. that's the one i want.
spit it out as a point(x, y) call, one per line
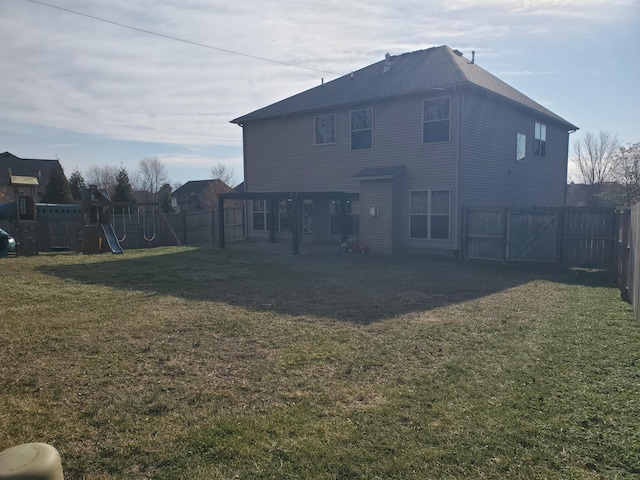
point(138, 228)
point(202, 227)
point(572, 237)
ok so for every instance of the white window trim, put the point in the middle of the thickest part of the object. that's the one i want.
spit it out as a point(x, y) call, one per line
point(541, 138)
point(429, 214)
point(262, 212)
point(432, 121)
point(351, 130)
point(523, 136)
point(335, 130)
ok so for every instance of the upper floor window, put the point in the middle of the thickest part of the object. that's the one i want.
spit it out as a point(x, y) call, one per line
point(521, 146)
point(540, 139)
point(436, 120)
point(325, 129)
point(362, 129)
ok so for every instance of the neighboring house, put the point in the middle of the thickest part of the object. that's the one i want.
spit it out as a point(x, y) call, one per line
point(196, 195)
point(607, 194)
point(577, 195)
point(24, 180)
point(402, 145)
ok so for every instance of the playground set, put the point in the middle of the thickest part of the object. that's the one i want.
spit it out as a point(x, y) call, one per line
point(87, 227)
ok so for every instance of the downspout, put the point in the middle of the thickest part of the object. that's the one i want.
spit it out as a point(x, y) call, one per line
point(566, 171)
point(245, 212)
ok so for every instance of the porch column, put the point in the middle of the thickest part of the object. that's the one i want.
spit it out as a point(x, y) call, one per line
point(343, 218)
point(273, 220)
point(295, 223)
point(220, 220)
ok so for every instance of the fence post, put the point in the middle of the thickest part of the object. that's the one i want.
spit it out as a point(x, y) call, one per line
point(213, 223)
point(559, 233)
point(221, 221)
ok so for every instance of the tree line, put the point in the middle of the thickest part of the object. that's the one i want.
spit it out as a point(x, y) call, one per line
point(150, 178)
point(609, 171)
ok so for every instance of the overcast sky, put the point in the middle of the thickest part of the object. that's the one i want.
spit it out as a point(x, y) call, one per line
point(90, 92)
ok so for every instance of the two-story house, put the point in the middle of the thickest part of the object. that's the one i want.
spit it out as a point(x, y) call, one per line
point(401, 145)
point(197, 195)
point(23, 181)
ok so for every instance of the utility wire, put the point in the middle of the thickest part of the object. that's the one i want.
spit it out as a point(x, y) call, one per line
point(169, 37)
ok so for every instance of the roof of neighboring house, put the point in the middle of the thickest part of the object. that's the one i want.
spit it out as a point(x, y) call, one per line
point(25, 167)
point(94, 193)
point(196, 187)
point(433, 69)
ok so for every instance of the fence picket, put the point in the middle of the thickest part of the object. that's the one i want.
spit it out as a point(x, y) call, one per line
point(573, 237)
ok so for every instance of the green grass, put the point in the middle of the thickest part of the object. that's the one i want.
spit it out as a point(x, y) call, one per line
point(201, 363)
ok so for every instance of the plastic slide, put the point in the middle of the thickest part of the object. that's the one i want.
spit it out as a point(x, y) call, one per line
point(112, 240)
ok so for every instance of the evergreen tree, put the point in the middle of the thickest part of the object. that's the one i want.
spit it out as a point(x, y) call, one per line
point(76, 184)
point(123, 191)
point(57, 190)
point(164, 198)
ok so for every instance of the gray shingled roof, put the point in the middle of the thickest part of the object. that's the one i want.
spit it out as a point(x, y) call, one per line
point(25, 167)
point(411, 73)
point(196, 187)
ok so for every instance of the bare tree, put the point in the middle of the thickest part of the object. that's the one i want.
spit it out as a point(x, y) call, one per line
point(593, 157)
point(626, 171)
point(103, 176)
point(225, 173)
point(152, 174)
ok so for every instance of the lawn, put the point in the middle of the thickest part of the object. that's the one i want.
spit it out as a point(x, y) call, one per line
point(245, 363)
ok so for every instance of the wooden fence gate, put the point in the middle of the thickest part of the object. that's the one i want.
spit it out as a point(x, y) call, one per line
point(573, 237)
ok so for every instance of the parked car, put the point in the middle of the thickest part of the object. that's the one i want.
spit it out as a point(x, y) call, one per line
point(7, 243)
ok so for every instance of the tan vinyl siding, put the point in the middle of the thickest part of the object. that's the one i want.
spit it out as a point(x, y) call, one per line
point(280, 152)
point(280, 155)
point(490, 173)
point(376, 230)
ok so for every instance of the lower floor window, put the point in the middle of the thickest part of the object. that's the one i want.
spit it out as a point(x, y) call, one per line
point(430, 214)
point(262, 215)
point(260, 220)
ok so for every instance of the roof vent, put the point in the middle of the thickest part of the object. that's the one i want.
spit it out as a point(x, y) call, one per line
point(387, 63)
point(473, 57)
point(458, 52)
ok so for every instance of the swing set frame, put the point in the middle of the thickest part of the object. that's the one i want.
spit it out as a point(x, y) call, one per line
point(138, 206)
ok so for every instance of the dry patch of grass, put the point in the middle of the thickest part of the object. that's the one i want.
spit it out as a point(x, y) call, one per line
point(200, 363)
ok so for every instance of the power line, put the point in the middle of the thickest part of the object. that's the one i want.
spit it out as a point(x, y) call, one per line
point(169, 37)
